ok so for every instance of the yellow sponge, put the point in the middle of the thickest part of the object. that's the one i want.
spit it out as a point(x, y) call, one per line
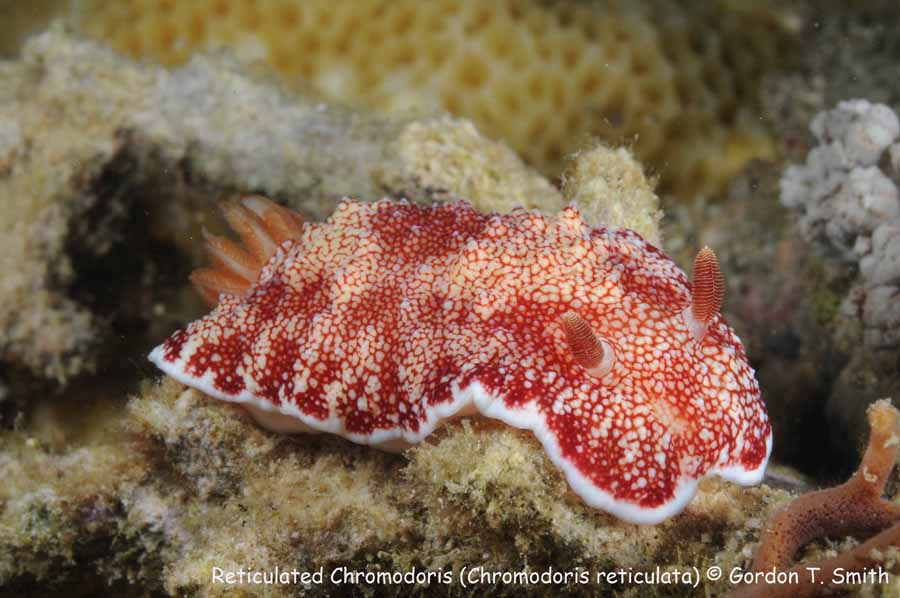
point(675, 81)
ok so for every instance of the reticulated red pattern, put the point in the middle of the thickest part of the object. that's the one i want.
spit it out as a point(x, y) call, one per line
point(378, 314)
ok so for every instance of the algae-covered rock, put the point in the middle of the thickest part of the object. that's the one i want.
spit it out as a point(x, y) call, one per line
point(446, 157)
point(201, 487)
point(610, 185)
point(64, 512)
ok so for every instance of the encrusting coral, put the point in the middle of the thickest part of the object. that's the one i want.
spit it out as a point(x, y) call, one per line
point(853, 508)
point(679, 80)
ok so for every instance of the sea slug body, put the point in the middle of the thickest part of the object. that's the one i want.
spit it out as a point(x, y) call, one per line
point(390, 318)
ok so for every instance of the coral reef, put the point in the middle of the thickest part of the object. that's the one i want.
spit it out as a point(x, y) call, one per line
point(109, 170)
point(853, 508)
point(679, 80)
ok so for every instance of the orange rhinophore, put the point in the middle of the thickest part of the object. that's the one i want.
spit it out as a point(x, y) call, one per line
point(586, 348)
point(706, 299)
point(706, 295)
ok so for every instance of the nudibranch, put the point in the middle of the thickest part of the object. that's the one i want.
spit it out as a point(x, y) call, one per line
point(390, 318)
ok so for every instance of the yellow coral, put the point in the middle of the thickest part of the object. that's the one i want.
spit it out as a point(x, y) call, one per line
point(677, 82)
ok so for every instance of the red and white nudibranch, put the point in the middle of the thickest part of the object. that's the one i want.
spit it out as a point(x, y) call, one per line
point(390, 318)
